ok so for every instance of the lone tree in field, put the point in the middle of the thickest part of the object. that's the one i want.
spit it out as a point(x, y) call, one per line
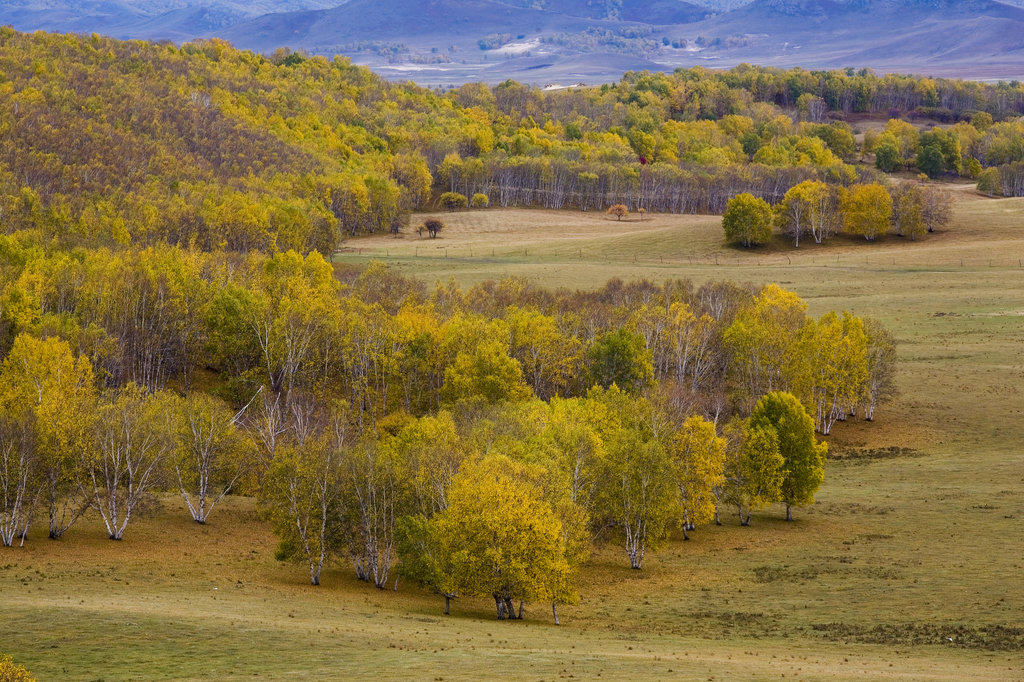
point(619, 211)
point(747, 220)
point(453, 201)
point(804, 468)
point(481, 200)
point(433, 226)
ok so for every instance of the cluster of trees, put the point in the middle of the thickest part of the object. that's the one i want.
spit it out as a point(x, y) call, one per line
point(822, 211)
point(505, 499)
point(66, 446)
point(482, 438)
point(158, 317)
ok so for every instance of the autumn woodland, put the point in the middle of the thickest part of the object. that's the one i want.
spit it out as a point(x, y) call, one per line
point(205, 381)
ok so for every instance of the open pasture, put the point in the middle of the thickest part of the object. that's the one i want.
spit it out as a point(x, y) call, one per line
point(907, 568)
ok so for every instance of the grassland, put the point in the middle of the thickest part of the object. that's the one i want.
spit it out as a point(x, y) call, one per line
point(907, 568)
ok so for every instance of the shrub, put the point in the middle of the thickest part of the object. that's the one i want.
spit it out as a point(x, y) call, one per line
point(481, 200)
point(619, 211)
point(453, 201)
point(433, 225)
point(989, 182)
point(9, 672)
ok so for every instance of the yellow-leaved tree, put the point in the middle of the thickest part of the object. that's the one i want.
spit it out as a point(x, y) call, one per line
point(763, 343)
point(498, 537)
point(43, 381)
point(698, 461)
point(866, 210)
point(831, 379)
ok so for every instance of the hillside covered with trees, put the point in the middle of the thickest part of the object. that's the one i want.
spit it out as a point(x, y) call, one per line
point(113, 143)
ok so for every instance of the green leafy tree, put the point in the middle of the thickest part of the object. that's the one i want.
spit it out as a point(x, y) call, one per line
point(755, 470)
point(931, 161)
point(747, 220)
point(803, 456)
point(940, 151)
point(300, 497)
point(990, 182)
point(619, 357)
point(887, 154)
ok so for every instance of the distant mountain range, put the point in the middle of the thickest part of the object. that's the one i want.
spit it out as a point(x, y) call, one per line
point(547, 41)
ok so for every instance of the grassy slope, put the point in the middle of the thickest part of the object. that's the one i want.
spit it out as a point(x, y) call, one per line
point(930, 537)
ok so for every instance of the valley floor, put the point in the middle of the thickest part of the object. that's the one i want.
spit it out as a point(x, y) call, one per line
point(907, 567)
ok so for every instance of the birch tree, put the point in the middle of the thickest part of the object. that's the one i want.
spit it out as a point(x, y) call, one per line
point(698, 463)
point(831, 377)
point(803, 456)
point(639, 495)
point(20, 477)
point(300, 496)
point(762, 341)
point(125, 464)
point(881, 360)
point(41, 379)
point(208, 457)
point(373, 494)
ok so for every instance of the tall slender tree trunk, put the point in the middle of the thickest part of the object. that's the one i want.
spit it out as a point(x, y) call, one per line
point(789, 513)
point(554, 612)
